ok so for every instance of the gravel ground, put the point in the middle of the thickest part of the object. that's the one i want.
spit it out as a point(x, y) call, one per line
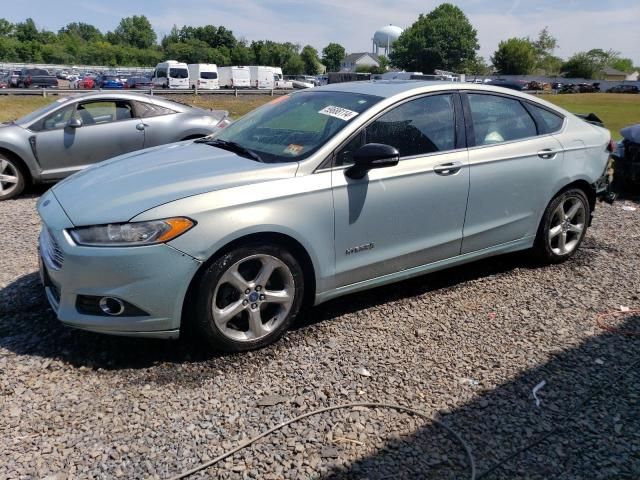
point(465, 346)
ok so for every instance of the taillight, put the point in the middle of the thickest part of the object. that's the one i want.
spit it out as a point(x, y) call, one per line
point(611, 147)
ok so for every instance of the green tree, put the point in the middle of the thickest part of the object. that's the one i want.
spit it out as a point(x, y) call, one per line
point(579, 65)
point(135, 31)
point(332, 55)
point(443, 39)
point(309, 57)
point(26, 31)
point(476, 66)
point(623, 64)
point(293, 66)
point(545, 44)
point(6, 27)
point(84, 31)
point(384, 63)
point(515, 56)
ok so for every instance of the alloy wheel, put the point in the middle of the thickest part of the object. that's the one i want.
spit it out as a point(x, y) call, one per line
point(253, 297)
point(567, 225)
point(9, 177)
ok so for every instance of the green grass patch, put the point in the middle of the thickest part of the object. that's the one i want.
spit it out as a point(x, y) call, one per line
point(617, 110)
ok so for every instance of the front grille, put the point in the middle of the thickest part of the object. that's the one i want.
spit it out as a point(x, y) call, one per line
point(50, 250)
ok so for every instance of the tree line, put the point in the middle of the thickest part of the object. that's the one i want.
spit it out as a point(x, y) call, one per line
point(134, 43)
point(442, 39)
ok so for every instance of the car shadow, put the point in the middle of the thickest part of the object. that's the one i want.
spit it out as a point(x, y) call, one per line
point(28, 326)
point(586, 425)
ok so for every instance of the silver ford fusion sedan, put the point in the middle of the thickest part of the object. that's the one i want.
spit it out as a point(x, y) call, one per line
point(73, 132)
point(315, 195)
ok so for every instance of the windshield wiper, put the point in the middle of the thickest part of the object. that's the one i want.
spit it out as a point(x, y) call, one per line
point(232, 147)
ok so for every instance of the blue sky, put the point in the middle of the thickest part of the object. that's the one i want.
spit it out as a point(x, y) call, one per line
point(577, 24)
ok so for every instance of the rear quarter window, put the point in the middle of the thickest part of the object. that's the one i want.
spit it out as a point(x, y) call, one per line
point(549, 121)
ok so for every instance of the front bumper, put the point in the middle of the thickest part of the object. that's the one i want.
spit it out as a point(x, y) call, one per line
point(153, 278)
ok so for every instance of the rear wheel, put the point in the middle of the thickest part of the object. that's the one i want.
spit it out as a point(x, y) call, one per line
point(248, 297)
point(12, 180)
point(563, 226)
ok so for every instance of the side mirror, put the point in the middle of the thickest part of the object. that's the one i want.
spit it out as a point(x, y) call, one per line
point(74, 123)
point(370, 156)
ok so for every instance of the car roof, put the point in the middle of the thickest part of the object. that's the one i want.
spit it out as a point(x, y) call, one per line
point(404, 88)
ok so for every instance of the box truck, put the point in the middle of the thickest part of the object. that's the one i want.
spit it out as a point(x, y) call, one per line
point(234, 77)
point(204, 75)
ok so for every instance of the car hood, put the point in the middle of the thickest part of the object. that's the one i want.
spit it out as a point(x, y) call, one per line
point(121, 188)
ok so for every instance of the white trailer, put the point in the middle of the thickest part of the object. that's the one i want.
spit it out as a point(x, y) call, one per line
point(234, 77)
point(261, 77)
point(171, 74)
point(204, 75)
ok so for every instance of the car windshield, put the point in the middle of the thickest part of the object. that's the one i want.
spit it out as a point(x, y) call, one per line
point(27, 119)
point(292, 127)
point(178, 73)
point(38, 71)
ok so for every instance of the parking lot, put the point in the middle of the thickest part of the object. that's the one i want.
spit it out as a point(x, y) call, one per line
point(465, 346)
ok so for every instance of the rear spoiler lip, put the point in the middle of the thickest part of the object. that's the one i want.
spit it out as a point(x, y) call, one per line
point(591, 118)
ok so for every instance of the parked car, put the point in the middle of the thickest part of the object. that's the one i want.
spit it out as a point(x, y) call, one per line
point(109, 82)
point(13, 78)
point(320, 193)
point(623, 89)
point(627, 161)
point(143, 83)
point(36, 78)
point(83, 83)
point(74, 132)
point(589, 87)
point(4, 82)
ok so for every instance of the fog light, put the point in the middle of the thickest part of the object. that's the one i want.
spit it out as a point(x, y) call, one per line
point(107, 306)
point(111, 306)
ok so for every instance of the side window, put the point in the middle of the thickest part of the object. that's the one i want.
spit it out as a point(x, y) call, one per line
point(499, 119)
point(146, 110)
point(58, 119)
point(551, 122)
point(417, 127)
point(161, 73)
point(96, 113)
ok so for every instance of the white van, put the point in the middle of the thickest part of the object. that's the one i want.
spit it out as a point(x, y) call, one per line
point(171, 74)
point(261, 77)
point(278, 79)
point(234, 77)
point(204, 75)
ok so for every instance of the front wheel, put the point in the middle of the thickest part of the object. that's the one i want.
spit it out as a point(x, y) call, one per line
point(12, 181)
point(248, 297)
point(563, 227)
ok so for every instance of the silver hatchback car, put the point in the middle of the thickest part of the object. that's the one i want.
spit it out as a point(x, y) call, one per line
point(315, 195)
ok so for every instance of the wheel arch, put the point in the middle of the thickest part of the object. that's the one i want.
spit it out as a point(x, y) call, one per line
point(586, 187)
point(294, 246)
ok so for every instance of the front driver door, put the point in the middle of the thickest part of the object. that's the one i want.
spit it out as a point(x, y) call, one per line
point(109, 128)
point(409, 215)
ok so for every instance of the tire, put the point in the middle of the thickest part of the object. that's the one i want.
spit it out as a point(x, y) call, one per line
point(12, 179)
point(254, 321)
point(563, 226)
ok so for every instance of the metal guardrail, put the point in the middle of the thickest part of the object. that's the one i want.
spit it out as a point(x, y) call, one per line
point(45, 92)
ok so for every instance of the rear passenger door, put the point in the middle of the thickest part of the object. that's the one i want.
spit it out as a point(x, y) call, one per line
point(411, 214)
point(514, 162)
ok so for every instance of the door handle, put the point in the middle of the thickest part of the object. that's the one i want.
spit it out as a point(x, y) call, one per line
point(448, 168)
point(141, 126)
point(548, 153)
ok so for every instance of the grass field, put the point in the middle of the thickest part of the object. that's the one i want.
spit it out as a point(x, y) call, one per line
point(616, 110)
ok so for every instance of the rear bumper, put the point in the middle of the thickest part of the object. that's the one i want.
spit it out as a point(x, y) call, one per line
point(604, 185)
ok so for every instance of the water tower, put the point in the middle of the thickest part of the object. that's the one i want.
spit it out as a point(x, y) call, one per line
point(384, 39)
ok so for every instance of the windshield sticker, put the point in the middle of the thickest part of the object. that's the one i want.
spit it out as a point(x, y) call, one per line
point(338, 112)
point(294, 149)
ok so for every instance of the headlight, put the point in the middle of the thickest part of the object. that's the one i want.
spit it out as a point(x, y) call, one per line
point(131, 234)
